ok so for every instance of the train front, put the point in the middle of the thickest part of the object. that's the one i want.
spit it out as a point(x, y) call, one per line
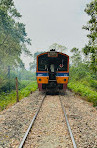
point(52, 71)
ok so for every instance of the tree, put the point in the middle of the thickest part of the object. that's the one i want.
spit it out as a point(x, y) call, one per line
point(91, 48)
point(13, 37)
point(57, 47)
point(76, 57)
point(13, 40)
point(32, 65)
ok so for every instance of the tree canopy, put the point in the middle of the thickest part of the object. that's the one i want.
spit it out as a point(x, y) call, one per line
point(13, 36)
point(91, 48)
point(76, 57)
point(58, 47)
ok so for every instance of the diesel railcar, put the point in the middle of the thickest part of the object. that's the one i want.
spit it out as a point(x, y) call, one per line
point(52, 71)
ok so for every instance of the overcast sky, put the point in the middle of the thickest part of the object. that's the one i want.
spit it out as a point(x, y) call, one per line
point(54, 21)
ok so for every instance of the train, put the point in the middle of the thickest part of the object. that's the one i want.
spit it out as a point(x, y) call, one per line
point(52, 71)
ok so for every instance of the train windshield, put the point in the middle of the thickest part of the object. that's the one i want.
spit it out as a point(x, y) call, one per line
point(46, 63)
point(42, 62)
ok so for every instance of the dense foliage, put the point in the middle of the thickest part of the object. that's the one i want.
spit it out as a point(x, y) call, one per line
point(12, 35)
point(25, 89)
point(9, 84)
point(83, 82)
point(13, 41)
point(83, 71)
point(91, 48)
point(82, 79)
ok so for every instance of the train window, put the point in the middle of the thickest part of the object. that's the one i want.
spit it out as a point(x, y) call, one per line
point(42, 63)
point(62, 63)
point(59, 63)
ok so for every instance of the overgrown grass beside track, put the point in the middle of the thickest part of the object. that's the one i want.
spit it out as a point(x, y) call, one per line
point(25, 88)
point(84, 91)
point(84, 83)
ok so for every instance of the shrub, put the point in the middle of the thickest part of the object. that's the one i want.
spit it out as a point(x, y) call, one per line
point(84, 91)
point(7, 99)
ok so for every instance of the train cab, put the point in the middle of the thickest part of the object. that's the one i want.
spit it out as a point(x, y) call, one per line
point(52, 71)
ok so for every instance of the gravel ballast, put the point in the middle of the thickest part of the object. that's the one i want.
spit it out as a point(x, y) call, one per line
point(81, 114)
point(49, 130)
point(15, 120)
point(82, 117)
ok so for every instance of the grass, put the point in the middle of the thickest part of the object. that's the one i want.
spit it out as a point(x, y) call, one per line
point(84, 90)
point(8, 99)
point(83, 81)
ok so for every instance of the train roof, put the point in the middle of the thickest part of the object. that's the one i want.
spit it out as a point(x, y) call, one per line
point(52, 52)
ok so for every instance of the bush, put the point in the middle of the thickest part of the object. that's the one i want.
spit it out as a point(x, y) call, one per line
point(7, 99)
point(8, 84)
point(83, 82)
point(84, 91)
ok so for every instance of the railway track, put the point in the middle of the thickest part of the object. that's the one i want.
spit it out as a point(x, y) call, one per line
point(48, 111)
point(69, 128)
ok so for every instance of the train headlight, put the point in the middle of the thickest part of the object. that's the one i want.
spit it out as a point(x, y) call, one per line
point(64, 79)
point(39, 79)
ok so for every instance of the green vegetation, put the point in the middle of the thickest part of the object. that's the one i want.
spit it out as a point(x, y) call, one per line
point(26, 84)
point(13, 36)
point(84, 91)
point(13, 42)
point(7, 99)
point(8, 84)
point(91, 48)
point(83, 71)
point(83, 82)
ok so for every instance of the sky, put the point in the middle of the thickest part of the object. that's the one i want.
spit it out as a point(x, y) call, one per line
point(53, 21)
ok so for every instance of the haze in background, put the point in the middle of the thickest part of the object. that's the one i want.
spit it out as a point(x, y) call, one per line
point(53, 21)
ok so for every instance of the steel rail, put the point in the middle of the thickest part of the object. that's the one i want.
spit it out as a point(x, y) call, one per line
point(71, 135)
point(31, 124)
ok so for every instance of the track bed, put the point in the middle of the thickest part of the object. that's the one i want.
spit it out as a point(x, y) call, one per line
point(49, 130)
